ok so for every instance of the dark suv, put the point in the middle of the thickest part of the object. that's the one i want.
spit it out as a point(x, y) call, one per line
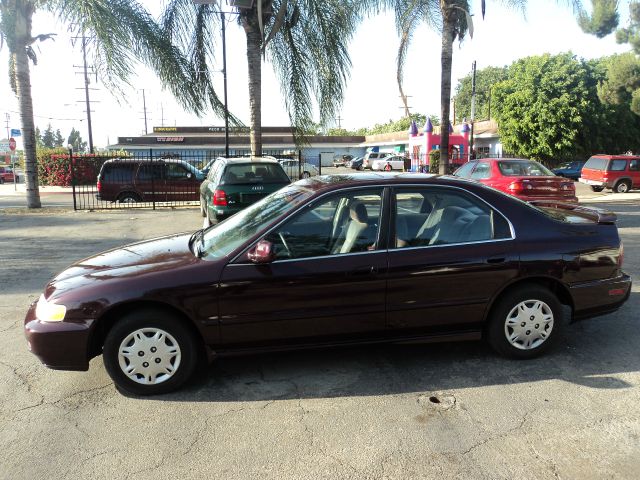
point(164, 180)
point(233, 184)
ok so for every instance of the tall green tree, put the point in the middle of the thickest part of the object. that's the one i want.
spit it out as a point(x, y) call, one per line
point(75, 140)
point(305, 41)
point(48, 137)
point(549, 109)
point(58, 139)
point(485, 79)
point(123, 31)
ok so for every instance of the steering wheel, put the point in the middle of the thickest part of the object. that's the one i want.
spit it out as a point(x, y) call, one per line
point(285, 244)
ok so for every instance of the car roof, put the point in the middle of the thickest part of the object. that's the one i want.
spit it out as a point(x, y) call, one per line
point(238, 161)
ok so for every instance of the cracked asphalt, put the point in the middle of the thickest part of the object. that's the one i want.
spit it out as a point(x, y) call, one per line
point(446, 411)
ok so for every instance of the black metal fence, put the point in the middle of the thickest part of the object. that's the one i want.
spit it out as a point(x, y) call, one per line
point(153, 179)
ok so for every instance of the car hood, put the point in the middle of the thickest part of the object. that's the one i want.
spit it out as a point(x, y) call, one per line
point(134, 260)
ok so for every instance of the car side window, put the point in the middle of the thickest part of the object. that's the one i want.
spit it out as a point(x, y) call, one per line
point(465, 170)
point(435, 216)
point(345, 223)
point(482, 170)
point(148, 172)
point(634, 165)
point(177, 172)
point(618, 165)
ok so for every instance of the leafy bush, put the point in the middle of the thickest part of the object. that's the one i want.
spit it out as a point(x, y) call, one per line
point(434, 161)
point(54, 168)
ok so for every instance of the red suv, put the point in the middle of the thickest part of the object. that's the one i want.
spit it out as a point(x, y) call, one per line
point(620, 173)
point(6, 174)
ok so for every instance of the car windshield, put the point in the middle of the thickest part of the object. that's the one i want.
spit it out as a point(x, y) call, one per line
point(254, 173)
point(222, 239)
point(519, 168)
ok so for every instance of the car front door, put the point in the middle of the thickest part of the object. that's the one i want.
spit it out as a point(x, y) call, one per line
point(181, 184)
point(150, 182)
point(451, 253)
point(326, 284)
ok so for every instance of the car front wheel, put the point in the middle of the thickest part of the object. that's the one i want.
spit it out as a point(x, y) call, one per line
point(525, 322)
point(149, 352)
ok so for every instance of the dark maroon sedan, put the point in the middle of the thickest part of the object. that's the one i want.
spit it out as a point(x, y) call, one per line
point(335, 260)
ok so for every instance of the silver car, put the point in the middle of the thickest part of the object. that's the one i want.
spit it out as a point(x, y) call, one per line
point(297, 172)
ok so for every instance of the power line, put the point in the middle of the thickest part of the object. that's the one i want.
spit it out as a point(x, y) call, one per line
point(52, 118)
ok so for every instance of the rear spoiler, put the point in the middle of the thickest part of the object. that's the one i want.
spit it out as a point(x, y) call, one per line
point(598, 215)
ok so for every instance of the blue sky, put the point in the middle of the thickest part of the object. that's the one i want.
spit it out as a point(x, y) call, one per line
point(371, 95)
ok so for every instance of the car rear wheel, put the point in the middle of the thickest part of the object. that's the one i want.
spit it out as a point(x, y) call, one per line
point(596, 189)
point(128, 197)
point(306, 174)
point(525, 322)
point(203, 211)
point(149, 352)
point(1, 180)
point(623, 186)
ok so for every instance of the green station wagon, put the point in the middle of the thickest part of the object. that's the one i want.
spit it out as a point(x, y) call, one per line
point(234, 184)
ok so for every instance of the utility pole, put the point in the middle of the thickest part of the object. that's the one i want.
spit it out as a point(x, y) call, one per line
point(6, 119)
point(339, 120)
point(85, 73)
point(86, 91)
point(473, 107)
point(224, 75)
point(144, 108)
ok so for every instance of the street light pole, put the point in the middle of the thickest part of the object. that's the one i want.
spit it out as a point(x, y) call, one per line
point(224, 75)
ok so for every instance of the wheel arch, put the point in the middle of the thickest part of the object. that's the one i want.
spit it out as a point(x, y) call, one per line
point(106, 321)
point(560, 290)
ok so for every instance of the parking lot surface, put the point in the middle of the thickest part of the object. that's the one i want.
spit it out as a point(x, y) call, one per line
point(423, 411)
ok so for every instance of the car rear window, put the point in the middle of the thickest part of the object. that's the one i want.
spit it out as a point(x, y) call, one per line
point(618, 165)
point(518, 168)
point(254, 173)
point(596, 163)
point(117, 173)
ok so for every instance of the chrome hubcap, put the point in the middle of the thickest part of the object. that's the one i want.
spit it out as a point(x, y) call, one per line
point(149, 356)
point(529, 324)
point(623, 188)
point(128, 200)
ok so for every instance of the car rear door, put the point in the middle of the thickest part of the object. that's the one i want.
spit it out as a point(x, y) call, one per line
point(326, 285)
point(444, 270)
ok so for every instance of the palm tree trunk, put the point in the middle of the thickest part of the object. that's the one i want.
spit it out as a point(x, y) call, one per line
point(254, 59)
point(23, 90)
point(445, 85)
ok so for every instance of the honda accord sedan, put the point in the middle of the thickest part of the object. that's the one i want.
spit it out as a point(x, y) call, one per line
point(335, 260)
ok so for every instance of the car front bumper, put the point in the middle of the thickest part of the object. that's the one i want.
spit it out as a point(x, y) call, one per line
point(59, 345)
point(600, 297)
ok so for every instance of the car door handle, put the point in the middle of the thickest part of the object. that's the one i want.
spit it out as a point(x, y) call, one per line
point(359, 272)
point(494, 260)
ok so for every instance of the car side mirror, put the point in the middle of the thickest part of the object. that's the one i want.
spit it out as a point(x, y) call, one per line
point(189, 175)
point(262, 252)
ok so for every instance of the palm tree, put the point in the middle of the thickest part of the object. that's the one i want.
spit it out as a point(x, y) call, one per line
point(305, 41)
point(452, 18)
point(123, 32)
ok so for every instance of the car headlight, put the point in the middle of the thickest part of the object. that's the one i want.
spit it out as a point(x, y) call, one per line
point(49, 312)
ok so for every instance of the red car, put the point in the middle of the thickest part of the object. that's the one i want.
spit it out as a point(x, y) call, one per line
point(6, 174)
point(526, 179)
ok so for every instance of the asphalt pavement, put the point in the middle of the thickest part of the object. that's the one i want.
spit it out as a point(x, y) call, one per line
point(446, 411)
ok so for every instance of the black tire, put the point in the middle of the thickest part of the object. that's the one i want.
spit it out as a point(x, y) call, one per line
point(306, 174)
point(128, 197)
point(203, 211)
point(17, 179)
point(1, 180)
point(152, 320)
point(596, 189)
point(623, 186)
point(533, 327)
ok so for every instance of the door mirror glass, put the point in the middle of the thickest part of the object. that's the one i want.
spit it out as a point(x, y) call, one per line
point(262, 252)
point(189, 175)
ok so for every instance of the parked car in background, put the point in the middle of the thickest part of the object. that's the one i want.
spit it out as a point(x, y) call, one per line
point(525, 179)
point(130, 180)
point(356, 163)
point(395, 162)
point(295, 171)
point(570, 169)
point(209, 164)
point(7, 174)
point(233, 184)
point(620, 173)
point(335, 260)
point(371, 156)
point(342, 160)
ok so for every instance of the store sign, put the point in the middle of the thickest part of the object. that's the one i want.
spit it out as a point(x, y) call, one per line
point(169, 139)
point(165, 129)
